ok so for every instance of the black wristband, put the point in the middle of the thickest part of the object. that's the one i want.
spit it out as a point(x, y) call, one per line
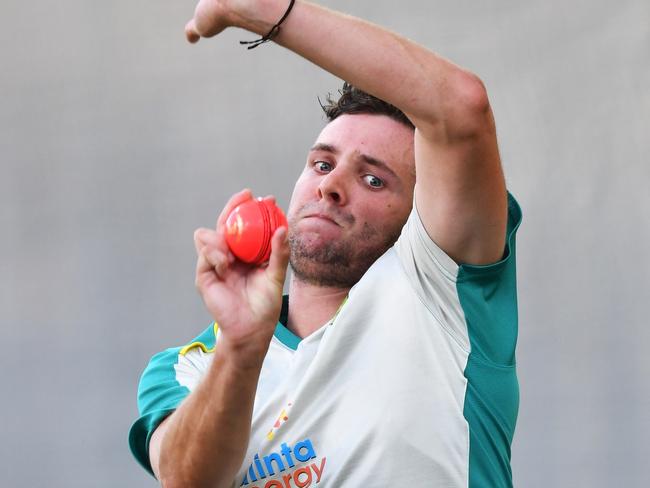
point(275, 30)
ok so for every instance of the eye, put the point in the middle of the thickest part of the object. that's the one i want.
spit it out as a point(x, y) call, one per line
point(323, 166)
point(373, 181)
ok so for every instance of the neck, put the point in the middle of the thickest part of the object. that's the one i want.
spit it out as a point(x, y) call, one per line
point(311, 306)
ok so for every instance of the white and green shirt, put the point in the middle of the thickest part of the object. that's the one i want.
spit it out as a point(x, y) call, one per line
point(412, 384)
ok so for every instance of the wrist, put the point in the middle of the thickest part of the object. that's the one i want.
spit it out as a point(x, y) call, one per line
point(244, 354)
point(259, 16)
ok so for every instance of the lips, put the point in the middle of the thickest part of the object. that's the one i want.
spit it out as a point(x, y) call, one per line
point(336, 216)
point(323, 217)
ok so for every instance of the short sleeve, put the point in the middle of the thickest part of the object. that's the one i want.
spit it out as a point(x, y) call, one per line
point(469, 302)
point(167, 380)
point(488, 295)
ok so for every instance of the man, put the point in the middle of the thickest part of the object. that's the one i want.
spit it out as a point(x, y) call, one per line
point(392, 363)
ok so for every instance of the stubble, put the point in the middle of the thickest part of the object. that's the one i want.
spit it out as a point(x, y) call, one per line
point(337, 263)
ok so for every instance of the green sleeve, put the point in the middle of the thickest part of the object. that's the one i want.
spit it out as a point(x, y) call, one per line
point(160, 393)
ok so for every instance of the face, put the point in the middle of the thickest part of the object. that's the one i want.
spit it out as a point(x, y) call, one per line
point(352, 199)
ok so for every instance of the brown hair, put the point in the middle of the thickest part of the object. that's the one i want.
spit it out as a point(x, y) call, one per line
point(355, 101)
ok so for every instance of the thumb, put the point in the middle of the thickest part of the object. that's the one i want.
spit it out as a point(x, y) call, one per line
point(190, 32)
point(277, 268)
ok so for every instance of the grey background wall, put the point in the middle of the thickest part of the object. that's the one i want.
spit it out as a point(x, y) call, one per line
point(118, 139)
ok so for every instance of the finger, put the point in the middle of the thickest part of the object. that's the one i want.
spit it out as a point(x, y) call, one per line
point(277, 268)
point(209, 237)
point(236, 199)
point(208, 242)
point(213, 259)
point(201, 238)
point(190, 32)
point(218, 260)
point(202, 267)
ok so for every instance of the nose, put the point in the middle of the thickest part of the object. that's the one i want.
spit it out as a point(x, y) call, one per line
point(332, 188)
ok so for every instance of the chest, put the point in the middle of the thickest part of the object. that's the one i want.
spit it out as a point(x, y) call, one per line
point(376, 396)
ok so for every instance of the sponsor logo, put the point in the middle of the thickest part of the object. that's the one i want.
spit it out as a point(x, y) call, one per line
point(283, 469)
point(282, 418)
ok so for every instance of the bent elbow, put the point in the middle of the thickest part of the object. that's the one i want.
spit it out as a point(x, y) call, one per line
point(467, 113)
point(469, 94)
point(464, 112)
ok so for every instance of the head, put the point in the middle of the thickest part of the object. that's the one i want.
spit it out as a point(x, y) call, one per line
point(353, 197)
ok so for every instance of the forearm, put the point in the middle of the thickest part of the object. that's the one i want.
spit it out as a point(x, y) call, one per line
point(457, 161)
point(206, 439)
point(427, 87)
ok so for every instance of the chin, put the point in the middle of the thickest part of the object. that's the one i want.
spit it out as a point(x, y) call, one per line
point(326, 275)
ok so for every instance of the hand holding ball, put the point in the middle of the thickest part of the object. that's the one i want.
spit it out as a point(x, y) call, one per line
point(249, 229)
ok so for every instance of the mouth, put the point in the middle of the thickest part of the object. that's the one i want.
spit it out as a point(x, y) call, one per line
point(322, 216)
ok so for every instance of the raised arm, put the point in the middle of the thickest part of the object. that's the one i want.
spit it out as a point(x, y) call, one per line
point(203, 443)
point(460, 189)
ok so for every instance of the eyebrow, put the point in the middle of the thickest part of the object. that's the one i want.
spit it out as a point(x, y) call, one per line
point(365, 157)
